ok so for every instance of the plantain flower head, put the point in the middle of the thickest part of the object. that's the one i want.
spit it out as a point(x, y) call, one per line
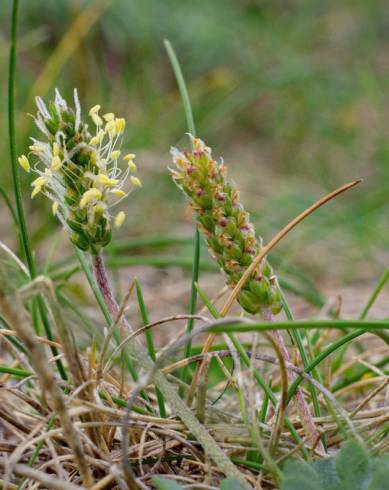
point(81, 170)
point(225, 225)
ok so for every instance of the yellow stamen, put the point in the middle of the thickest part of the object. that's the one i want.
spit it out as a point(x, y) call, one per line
point(119, 219)
point(132, 166)
point(115, 155)
point(98, 209)
point(129, 157)
point(24, 163)
point(94, 141)
point(36, 148)
point(120, 124)
point(36, 191)
point(55, 149)
point(105, 180)
point(118, 192)
point(39, 182)
point(95, 109)
point(135, 181)
point(110, 127)
point(96, 119)
point(54, 207)
point(109, 116)
point(56, 163)
point(90, 195)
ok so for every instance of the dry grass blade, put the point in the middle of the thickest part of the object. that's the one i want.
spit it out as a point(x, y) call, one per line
point(40, 477)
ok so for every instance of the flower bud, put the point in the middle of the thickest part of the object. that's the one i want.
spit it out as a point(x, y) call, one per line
point(225, 225)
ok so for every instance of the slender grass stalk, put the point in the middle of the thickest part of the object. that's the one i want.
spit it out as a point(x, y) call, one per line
point(303, 324)
point(14, 341)
point(377, 290)
point(196, 240)
point(9, 205)
point(22, 226)
point(150, 344)
point(20, 373)
point(381, 283)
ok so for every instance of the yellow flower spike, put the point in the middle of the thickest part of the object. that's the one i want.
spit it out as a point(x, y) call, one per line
point(95, 109)
point(56, 163)
point(54, 207)
point(115, 155)
point(96, 119)
point(106, 181)
point(129, 157)
point(120, 124)
point(118, 193)
point(24, 163)
point(85, 182)
point(109, 116)
point(135, 181)
point(119, 219)
point(90, 195)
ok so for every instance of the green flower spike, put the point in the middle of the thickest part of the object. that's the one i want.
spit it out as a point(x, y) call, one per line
point(225, 225)
point(79, 171)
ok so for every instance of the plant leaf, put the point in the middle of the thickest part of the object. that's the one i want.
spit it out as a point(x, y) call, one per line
point(353, 466)
point(166, 484)
point(328, 476)
point(299, 475)
point(231, 484)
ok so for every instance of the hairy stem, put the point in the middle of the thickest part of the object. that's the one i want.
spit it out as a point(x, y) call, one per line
point(143, 361)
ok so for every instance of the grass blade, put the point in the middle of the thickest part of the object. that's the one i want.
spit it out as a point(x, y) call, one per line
point(196, 240)
point(22, 226)
point(150, 343)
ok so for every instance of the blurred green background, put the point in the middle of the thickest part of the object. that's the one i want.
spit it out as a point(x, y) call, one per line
point(293, 94)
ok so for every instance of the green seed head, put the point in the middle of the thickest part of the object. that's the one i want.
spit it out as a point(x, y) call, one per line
point(79, 170)
point(225, 225)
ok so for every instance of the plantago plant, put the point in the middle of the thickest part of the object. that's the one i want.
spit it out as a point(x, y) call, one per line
point(119, 412)
point(231, 240)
